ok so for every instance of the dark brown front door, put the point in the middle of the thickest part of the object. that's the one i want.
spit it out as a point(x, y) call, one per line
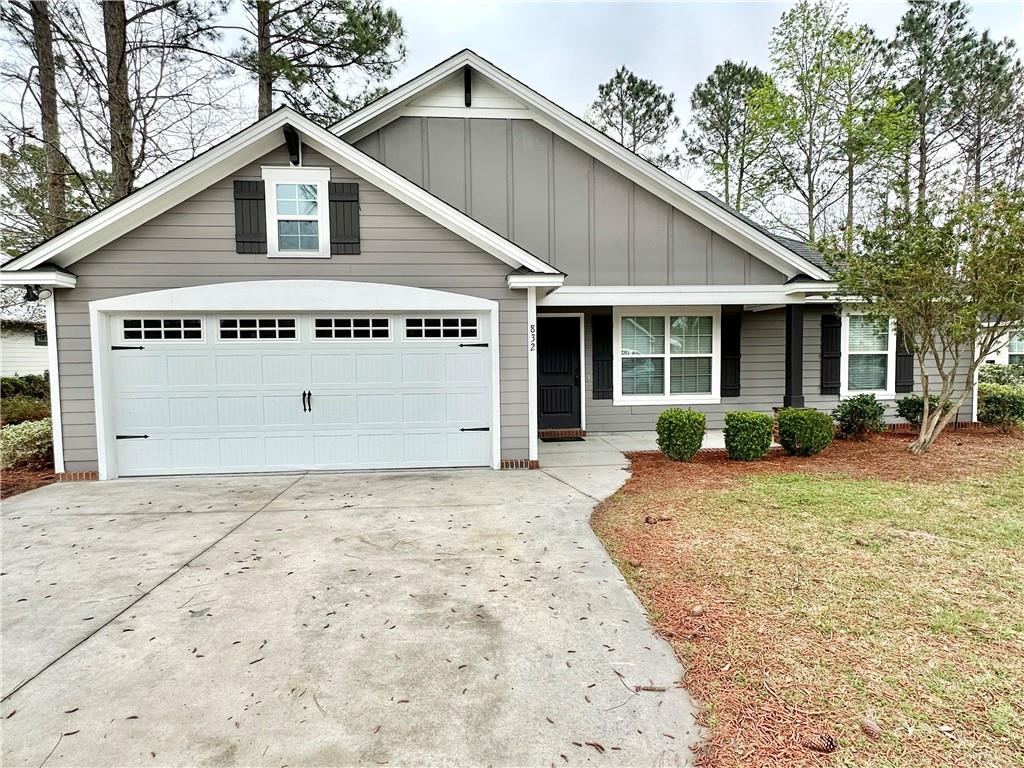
point(558, 372)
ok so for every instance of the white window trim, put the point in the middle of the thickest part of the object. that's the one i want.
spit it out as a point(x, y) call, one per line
point(711, 398)
point(122, 339)
point(320, 177)
point(889, 393)
point(364, 340)
point(217, 339)
point(433, 339)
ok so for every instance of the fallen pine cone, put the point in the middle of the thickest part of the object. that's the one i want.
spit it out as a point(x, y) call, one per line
point(821, 742)
point(870, 728)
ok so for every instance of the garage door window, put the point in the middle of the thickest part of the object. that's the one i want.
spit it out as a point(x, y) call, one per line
point(162, 329)
point(257, 329)
point(440, 328)
point(352, 328)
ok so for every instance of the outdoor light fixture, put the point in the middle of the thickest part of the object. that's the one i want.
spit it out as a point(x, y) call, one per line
point(35, 293)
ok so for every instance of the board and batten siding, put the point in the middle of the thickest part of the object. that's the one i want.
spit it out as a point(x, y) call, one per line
point(762, 378)
point(194, 244)
point(19, 354)
point(560, 204)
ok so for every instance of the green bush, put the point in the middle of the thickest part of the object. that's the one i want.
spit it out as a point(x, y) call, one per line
point(680, 433)
point(911, 408)
point(33, 385)
point(19, 408)
point(859, 416)
point(805, 431)
point(748, 435)
point(1013, 375)
point(29, 443)
point(1001, 406)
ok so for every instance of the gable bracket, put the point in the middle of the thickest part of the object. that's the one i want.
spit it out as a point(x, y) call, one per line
point(291, 138)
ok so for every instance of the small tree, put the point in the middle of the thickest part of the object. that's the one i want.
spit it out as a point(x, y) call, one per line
point(639, 114)
point(955, 289)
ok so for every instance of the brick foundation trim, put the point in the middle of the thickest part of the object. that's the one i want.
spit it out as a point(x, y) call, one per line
point(73, 477)
point(520, 464)
point(558, 434)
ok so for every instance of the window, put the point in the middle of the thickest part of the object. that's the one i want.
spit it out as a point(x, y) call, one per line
point(257, 328)
point(441, 328)
point(869, 345)
point(297, 217)
point(668, 357)
point(39, 338)
point(162, 329)
point(1016, 348)
point(351, 328)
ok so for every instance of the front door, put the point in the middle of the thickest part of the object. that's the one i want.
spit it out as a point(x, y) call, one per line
point(558, 372)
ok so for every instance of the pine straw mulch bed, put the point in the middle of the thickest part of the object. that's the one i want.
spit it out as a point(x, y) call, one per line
point(864, 595)
point(21, 479)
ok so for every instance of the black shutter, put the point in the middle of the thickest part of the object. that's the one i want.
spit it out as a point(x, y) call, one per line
point(344, 210)
point(601, 351)
point(250, 217)
point(731, 352)
point(831, 353)
point(904, 364)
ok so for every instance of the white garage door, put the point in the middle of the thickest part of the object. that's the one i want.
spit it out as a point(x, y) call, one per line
point(250, 392)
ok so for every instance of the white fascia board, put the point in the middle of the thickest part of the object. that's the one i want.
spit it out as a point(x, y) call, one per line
point(595, 143)
point(252, 143)
point(675, 295)
point(535, 281)
point(50, 277)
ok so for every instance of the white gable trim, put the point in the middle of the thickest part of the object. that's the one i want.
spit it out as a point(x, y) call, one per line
point(260, 138)
point(593, 142)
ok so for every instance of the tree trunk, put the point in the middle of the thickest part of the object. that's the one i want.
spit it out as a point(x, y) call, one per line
point(849, 204)
point(118, 102)
point(42, 38)
point(922, 164)
point(264, 64)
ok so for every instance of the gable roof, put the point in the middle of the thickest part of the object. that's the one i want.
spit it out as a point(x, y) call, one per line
point(799, 247)
point(237, 151)
point(735, 228)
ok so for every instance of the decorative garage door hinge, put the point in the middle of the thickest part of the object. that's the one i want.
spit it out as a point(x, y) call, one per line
point(120, 347)
point(475, 429)
point(131, 437)
point(481, 344)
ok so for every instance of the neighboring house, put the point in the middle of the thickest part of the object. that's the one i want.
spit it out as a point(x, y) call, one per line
point(451, 271)
point(22, 348)
point(1011, 352)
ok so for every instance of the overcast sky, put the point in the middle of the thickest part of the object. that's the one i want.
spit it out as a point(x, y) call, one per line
point(565, 49)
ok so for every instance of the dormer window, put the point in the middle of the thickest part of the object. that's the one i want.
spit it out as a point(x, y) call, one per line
point(297, 212)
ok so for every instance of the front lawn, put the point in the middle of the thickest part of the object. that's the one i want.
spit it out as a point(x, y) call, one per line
point(862, 595)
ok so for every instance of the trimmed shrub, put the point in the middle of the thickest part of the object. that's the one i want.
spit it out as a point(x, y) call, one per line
point(805, 431)
point(1012, 375)
point(748, 435)
point(32, 386)
point(19, 408)
point(680, 433)
point(29, 443)
point(860, 416)
point(911, 408)
point(1001, 406)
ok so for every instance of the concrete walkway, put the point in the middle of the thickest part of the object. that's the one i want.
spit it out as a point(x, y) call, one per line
point(421, 618)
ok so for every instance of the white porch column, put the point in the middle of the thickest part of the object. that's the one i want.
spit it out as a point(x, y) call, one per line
point(531, 365)
point(55, 416)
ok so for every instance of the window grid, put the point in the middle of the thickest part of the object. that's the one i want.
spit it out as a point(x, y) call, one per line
point(427, 328)
point(258, 329)
point(687, 346)
point(162, 329)
point(352, 328)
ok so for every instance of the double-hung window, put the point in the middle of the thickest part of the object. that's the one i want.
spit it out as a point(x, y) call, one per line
point(1016, 348)
point(869, 359)
point(667, 357)
point(297, 212)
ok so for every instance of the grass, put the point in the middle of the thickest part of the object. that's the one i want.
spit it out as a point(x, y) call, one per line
point(807, 603)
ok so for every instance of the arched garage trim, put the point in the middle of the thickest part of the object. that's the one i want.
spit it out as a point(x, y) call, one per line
point(277, 296)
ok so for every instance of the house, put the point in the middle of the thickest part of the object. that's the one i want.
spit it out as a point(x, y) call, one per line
point(447, 274)
point(23, 348)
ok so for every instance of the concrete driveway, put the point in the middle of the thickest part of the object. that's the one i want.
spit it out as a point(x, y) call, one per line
point(428, 618)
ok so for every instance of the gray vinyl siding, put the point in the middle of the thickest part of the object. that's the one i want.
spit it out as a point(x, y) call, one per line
point(193, 244)
point(560, 204)
point(762, 377)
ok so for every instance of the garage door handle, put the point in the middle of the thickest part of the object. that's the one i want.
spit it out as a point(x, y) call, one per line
point(475, 429)
point(309, 400)
point(481, 344)
point(131, 437)
point(117, 346)
point(304, 395)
